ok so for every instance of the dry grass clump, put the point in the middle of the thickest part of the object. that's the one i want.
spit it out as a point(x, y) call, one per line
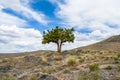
point(8, 78)
point(48, 70)
point(71, 62)
point(84, 77)
point(118, 55)
point(57, 57)
point(44, 60)
point(118, 67)
point(33, 77)
point(81, 60)
point(67, 70)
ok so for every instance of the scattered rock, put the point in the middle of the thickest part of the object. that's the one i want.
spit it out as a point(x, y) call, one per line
point(79, 50)
point(117, 61)
point(23, 78)
point(31, 58)
point(64, 53)
point(5, 68)
point(47, 77)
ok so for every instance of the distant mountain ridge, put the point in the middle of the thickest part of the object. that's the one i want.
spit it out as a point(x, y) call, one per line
point(111, 44)
point(113, 39)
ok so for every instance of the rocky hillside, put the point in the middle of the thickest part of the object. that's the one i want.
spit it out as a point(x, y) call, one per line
point(88, 63)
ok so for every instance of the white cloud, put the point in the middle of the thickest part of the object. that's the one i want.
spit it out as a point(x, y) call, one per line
point(18, 6)
point(97, 33)
point(81, 37)
point(14, 39)
point(6, 19)
point(93, 15)
point(85, 10)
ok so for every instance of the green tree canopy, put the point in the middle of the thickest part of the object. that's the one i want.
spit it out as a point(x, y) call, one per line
point(58, 36)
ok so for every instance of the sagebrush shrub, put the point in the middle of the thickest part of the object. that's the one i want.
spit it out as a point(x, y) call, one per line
point(71, 62)
point(7, 78)
point(93, 67)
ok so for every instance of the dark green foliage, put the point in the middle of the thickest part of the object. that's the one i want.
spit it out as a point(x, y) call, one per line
point(58, 36)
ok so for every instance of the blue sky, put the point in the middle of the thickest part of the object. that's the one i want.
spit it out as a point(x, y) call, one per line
point(23, 21)
point(39, 6)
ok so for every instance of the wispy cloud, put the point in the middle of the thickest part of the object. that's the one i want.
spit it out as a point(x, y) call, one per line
point(24, 10)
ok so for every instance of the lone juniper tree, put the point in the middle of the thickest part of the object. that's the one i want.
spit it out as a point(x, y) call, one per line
point(58, 36)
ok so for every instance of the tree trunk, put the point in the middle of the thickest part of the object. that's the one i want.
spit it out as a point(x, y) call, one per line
point(59, 47)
